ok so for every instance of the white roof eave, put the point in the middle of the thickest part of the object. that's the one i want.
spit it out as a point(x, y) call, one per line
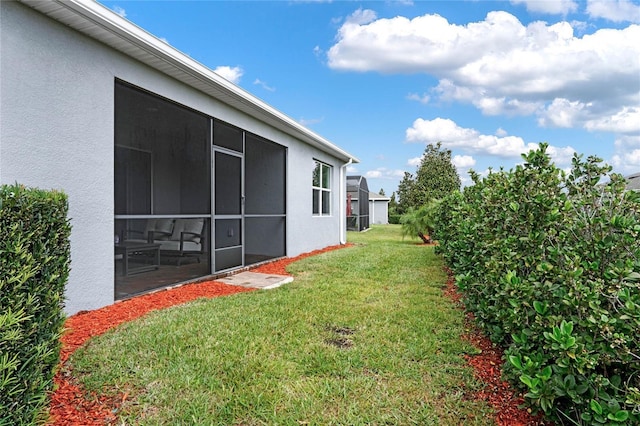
point(104, 25)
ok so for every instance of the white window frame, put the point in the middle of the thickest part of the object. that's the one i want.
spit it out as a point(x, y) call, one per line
point(318, 192)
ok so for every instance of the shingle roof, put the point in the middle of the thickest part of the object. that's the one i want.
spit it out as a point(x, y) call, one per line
point(633, 181)
point(376, 196)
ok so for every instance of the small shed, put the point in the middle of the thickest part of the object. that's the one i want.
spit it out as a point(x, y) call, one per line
point(378, 208)
point(357, 203)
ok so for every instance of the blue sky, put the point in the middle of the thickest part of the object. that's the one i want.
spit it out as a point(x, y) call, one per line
point(381, 79)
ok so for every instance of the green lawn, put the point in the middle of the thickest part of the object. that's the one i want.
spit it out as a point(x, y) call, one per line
point(363, 336)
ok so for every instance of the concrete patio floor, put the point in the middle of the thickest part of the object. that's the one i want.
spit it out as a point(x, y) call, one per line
point(256, 280)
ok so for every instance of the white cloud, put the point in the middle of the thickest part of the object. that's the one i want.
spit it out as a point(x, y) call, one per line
point(500, 65)
point(507, 146)
point(626, 158)
point(310, 121)
point(352, 169)
point(561, 156)
point(361, 17)
point(453, 137)
point(423, 99)
point(555, 7)
point(503, 105)
point(440, 130)
point(616, 10)
point(626, 142)
point(120, 11)
point(627, 163)
point(264, 85)
point(562, 113)
point(627, 120)
point(501, 132)
point(415, 161)
point(233, 74)
point(384, 173)
point(463, 161)
point(566, 114)
point(579, 26)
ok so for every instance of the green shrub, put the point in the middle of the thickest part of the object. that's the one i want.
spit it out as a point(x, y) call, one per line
point(34, 266)
point(549, 264)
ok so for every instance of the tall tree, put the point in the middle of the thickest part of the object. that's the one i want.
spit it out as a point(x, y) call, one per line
point(405, 193)
point(436, 176)
point(394, 216)
point(392, 201)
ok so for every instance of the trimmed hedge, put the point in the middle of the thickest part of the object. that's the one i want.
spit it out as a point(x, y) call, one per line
point(549, 263)
point(394, 218)
point(34, 266)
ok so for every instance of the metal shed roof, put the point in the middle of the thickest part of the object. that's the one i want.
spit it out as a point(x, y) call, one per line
point(356, 183)
point(104, 25)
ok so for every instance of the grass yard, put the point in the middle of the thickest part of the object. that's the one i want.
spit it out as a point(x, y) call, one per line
point(363, 336)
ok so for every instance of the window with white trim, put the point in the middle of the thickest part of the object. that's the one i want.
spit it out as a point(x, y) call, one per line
point(321, 189)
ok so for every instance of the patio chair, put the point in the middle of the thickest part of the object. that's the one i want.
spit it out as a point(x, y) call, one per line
point(186, 240)
point(180, 238)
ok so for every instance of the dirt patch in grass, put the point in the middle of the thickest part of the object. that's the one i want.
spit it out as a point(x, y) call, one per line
point(340, 342)
point(341, 330)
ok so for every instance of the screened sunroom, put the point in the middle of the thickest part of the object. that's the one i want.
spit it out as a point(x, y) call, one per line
point(174, 174)
point(193, 195)
point(357, 203)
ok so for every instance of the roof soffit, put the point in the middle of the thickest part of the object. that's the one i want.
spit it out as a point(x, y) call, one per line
point(100, 23)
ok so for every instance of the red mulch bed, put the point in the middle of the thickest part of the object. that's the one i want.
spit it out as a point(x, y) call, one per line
point(279, 267)
point(71, 406)
point(487, 368)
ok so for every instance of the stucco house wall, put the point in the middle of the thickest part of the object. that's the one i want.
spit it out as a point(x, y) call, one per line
point(57, 131)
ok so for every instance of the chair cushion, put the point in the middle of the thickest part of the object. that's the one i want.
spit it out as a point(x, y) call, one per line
point(188, 225)
point(160, 225)
point(172, 245)
point(150, 226)
point(164, 225)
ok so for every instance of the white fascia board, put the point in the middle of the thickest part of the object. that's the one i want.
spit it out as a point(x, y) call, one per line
point(99, 22)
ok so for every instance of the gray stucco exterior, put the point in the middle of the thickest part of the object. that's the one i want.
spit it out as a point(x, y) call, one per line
point(379, 208)
point(57, 132)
